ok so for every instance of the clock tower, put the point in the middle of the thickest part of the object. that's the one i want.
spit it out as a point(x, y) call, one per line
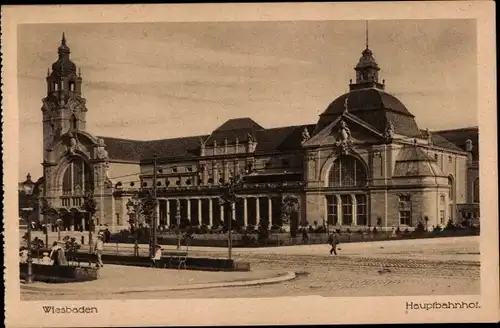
point(63, 107)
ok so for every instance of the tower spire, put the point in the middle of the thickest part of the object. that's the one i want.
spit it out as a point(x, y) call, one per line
point(366, 34)
point(63, 40)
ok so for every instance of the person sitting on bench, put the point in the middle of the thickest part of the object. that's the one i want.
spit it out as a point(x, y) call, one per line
point(157, 256)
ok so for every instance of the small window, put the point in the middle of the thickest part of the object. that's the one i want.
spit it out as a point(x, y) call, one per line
point(210, 181)
point(158, 183)
point(132, 184)
point(405, 218)
point(449, 159)
point(118, 218)
point(160, 170)
point(167, 183)
point(178, 182)
point(442, 199)
point(188, 182)
point(436, 157)
point(267, 165)
point(441, 217)
point(190, 169)
point(221, 180)
point(285, 162)
point(404, 198)
point(144, 184)
point(174, 169)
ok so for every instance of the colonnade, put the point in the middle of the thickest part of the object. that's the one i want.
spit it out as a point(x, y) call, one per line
point(248, 210)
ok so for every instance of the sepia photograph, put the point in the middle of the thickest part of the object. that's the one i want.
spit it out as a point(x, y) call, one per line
point(249, 159)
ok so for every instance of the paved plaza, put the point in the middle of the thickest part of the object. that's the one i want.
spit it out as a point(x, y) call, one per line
point(440, 266)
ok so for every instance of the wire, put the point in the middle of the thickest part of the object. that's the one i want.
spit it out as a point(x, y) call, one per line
point(259, 169)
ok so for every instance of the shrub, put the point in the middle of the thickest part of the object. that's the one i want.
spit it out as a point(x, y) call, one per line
point(420, 227)
point(275, 228)
point(250, 228)
point(450, 225)
point(398, 230)
point(374, 231)
point(204, 229)
point(438, 228)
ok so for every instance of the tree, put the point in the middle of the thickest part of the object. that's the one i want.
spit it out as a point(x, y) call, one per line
point(289, 205)
point(90, 206)
point(71, 246)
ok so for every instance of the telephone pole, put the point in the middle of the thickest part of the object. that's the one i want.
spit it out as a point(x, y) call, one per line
point(154, 239)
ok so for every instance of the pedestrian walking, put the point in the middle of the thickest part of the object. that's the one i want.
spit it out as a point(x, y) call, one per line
point(305, 236)
point(99, 247)
point(333, 241)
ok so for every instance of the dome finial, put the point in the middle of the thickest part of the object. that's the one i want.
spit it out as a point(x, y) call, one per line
point(63, 40)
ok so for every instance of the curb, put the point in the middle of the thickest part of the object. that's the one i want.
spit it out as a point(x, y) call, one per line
point(266, 281)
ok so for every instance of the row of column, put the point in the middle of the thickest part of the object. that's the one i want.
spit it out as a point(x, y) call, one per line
point(207, 210)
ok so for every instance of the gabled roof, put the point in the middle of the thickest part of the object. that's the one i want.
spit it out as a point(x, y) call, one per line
point(459, 136)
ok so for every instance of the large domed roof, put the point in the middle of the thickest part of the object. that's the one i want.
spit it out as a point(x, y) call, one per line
point(375, 107)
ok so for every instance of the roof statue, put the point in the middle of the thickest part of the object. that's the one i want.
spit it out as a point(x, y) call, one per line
point(305, 135)
point(73, 143)
point(344, 141)
point(250, 138)
point(468, 145)
point(101, 152)
point(389, 130)
point(429, 136)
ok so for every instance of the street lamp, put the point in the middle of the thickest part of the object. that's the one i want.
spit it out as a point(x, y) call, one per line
point(229, 197)
point(178, 222)
point(28, 187)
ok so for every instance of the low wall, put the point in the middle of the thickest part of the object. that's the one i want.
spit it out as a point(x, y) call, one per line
point(59, 274)
point(283, 239)
point(192, 263)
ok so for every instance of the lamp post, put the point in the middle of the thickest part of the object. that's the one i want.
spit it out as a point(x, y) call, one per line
point(178, 221)
point(28, 187)
point(228, 197)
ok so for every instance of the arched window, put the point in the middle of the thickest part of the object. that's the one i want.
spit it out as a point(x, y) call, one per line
point(475, 191)
point(347, 171)
point(451, 183)
point(77, 178)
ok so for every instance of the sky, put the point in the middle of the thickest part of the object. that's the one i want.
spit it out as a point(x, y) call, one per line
point(159, 80)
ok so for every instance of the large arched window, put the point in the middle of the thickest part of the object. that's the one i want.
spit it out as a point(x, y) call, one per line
point(77, 178)
point(347, 171)
point(475, 191)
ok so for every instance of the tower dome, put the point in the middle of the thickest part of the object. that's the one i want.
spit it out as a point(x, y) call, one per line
point(63, 66)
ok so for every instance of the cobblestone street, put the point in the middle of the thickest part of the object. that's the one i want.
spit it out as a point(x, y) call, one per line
point(389, 270)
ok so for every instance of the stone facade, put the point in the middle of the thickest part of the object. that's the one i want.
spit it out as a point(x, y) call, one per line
point(365, 163)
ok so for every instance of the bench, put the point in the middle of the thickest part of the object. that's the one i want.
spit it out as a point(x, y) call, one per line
point(90, 259)
point(168, 259)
